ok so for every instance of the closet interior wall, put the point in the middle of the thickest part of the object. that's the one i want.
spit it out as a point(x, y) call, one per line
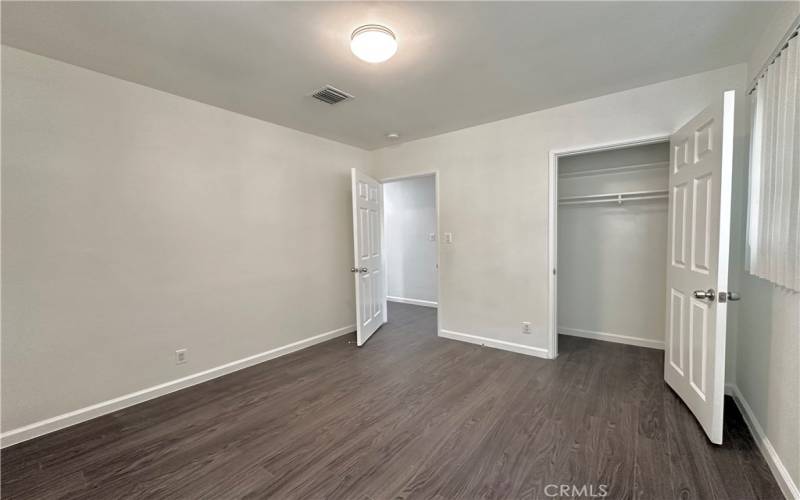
point(612, 244)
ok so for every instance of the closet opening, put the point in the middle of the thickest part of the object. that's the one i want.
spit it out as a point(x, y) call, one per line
point(608, 243)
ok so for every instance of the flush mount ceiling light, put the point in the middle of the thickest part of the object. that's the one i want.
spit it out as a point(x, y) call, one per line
point(373, 43)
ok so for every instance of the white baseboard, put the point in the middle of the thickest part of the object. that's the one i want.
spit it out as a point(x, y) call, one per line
point(497, 344)
point(49, 425)
point(416, 302)
point(612, 337)
point(782, 476)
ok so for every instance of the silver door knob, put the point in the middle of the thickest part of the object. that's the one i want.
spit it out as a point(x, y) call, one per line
point(353, 269)
point(707, 294)
point(363, 270)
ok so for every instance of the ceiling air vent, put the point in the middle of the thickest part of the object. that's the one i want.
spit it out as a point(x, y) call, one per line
point(331, 95)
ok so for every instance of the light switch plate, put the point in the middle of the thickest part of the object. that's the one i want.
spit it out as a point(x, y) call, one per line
point(448, 237)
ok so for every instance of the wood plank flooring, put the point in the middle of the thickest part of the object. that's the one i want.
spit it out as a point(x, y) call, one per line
point(409, 415)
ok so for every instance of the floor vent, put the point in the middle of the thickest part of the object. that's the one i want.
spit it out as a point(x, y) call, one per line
point(331, 95)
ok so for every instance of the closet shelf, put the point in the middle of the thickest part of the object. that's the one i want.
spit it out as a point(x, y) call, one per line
point(618, 198)
point(615, 170)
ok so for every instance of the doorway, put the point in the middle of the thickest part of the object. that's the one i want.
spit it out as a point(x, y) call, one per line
point(414, 220)
point(695, 293)
point(411, 243)
point(612, 244)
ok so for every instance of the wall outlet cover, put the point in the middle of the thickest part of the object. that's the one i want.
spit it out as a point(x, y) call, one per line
point(180, 356)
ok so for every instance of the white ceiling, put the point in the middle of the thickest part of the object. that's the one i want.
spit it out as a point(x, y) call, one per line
point(458, 64)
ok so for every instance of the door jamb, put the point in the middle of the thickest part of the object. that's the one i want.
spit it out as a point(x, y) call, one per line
point(435, 175)
point(552, 222)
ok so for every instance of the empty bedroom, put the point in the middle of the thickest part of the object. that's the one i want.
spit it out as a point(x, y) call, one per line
point(380, 250)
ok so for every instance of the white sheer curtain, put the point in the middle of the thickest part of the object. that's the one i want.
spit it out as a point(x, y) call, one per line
point(774, 205)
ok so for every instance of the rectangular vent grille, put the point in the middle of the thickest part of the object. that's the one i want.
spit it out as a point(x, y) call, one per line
point(331, 95)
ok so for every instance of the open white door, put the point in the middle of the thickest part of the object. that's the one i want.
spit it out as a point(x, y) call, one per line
point(701, 162)
point(368, 253)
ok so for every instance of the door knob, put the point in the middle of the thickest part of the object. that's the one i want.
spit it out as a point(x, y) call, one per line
point(353, 269)
point(363, 270)
point(358, 269)
point(707, 294)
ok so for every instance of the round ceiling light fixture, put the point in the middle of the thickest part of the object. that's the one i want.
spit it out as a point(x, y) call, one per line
point(373, 43)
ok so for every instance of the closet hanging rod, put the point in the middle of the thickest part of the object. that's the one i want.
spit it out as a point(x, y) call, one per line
point(615, 200)
point(615, 170)
point(615, 196)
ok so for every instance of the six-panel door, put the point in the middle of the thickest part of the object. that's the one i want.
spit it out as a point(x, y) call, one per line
point(697, 269)
point(368, 238)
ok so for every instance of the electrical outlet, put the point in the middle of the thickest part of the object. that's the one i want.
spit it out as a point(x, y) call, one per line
point(526, 327)
point(180, 356)
point(431, 236)
point(448, 237)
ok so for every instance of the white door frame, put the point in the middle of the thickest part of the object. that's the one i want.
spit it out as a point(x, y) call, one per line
point(435, 175)
point(552, 221)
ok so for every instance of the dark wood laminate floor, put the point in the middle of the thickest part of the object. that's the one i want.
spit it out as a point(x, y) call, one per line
point(409, 415)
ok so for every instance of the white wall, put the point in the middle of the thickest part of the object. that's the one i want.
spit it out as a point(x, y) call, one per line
point(768, 368)
point(136, 222)
point(493, 189)
point(779, 26)
point(612, 258)
point(409, 218)
point(768, 317)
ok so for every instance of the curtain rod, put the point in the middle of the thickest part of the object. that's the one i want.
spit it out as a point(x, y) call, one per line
point(793, 30)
